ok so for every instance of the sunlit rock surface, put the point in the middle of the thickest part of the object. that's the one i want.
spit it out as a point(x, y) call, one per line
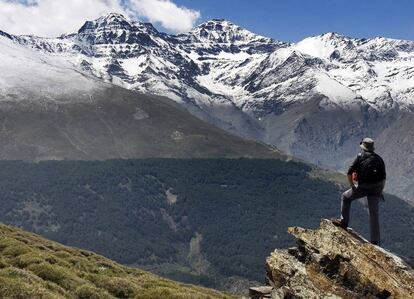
point(330, 262)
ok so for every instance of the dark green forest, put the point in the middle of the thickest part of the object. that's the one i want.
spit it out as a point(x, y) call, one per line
point(146, 212)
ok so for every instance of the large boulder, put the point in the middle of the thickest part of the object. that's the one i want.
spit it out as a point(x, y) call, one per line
point(330, 262)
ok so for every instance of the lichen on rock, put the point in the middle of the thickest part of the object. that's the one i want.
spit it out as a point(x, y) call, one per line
point(330, 262)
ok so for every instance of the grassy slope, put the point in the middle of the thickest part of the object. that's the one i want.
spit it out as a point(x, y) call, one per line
point(33, 267)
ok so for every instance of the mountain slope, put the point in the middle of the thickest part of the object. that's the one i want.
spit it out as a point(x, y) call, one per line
point(33, 267)
point(314, 99)
point(51, 110)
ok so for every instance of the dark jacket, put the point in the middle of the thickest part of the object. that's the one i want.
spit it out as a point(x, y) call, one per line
point(357, 166)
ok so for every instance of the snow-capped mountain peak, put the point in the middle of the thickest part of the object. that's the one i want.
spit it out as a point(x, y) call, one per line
point(326, 46)
point(223, 31)
point(107, 22)
point(333, 46)
point(112, 19)
point(114, 28)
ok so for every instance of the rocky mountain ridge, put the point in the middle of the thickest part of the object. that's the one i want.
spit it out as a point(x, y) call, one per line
point(109, 43)
point(314, 99)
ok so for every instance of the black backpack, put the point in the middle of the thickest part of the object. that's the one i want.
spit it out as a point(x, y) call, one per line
point(372, 168)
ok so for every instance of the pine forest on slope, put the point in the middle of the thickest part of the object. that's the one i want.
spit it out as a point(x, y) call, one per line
point(206, 221)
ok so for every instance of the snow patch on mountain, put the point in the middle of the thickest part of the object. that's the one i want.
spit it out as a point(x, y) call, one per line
point(24, 70)
point(324, 46)
point(335, 91)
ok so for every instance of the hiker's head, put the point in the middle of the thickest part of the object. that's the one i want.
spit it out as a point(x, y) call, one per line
point(367, 144)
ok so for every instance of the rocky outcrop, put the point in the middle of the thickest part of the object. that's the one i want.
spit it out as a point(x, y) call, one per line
point(331, 262)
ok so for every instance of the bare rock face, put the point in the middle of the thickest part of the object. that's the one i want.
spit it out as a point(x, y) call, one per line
point(331, 262)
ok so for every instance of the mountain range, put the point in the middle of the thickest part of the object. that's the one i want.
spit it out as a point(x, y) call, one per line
point(50, 110)
point(314, 99)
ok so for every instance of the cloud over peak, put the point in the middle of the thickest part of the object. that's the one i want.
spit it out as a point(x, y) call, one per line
point(167, 13)
point(55, 17)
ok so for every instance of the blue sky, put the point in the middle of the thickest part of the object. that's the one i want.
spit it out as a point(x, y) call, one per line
point(286, 20)
point(292, 20)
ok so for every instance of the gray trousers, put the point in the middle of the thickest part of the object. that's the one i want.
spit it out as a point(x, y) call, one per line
point(373, 192)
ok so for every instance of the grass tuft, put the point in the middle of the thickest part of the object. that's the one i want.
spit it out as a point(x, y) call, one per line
point(90, 292)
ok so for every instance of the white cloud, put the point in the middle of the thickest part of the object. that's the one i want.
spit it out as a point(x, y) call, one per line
point(54, 17)
point(168, 14)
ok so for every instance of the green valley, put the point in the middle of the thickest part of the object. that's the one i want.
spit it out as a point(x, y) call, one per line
point(205, 221)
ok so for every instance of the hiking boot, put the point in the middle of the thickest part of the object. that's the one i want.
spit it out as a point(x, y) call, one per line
point(375, 243)
point(338, 222)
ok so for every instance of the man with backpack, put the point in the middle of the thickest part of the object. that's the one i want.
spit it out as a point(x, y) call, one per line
point(369, 169)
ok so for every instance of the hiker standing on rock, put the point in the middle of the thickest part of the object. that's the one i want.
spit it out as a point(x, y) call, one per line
point(369, 169)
